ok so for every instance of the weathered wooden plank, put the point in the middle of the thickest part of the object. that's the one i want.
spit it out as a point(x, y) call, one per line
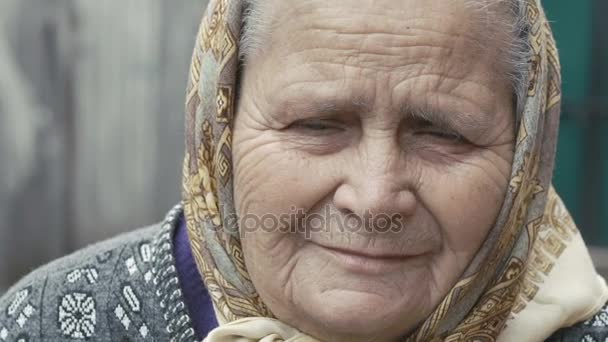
point(32, 122)
point(130, 79)
point(91, 123)
point(177, 40)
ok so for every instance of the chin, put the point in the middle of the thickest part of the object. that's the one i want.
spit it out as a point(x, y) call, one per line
point(363, 316)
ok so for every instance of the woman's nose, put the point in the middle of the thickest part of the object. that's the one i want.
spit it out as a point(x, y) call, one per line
point(377, 185)
point(374, 196)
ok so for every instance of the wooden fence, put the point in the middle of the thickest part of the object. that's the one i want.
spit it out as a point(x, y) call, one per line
point(91, 123)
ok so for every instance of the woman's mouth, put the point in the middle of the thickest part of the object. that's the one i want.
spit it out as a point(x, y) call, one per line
point(370, 262)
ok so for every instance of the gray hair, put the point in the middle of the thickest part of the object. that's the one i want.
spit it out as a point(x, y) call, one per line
point(505, 21)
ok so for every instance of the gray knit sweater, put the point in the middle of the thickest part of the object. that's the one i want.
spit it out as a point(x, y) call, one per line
point(124, 289)
point(127, 289)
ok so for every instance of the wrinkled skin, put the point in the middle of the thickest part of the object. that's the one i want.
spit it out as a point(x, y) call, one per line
point(382, 107)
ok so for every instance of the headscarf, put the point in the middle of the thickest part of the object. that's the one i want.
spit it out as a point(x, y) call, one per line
point(532, 275)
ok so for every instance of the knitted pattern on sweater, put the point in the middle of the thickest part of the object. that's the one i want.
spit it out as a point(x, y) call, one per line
point(124, 289)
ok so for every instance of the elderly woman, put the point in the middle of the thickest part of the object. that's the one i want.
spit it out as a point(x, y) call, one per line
point(355, 171)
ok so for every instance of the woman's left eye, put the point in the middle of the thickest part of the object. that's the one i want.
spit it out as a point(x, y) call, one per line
point(444, 135)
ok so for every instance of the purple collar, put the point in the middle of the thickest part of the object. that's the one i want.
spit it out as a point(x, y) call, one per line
point(198, 301)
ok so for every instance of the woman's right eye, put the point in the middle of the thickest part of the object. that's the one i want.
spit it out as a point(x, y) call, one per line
point(319, 136)
point(317, 126)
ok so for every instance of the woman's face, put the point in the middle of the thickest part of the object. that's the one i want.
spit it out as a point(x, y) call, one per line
point(373, 143)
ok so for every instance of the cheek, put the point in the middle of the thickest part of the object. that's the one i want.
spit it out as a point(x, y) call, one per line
point(272, 181)
point(465, 202)
point(265, 179)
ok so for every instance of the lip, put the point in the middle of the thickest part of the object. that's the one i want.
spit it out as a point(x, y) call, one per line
point(367, 262)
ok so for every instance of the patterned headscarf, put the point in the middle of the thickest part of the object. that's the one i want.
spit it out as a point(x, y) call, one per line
point(533, 273)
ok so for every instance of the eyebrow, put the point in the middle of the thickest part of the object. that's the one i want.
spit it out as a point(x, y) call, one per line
point(314, 106)
point(445, 119)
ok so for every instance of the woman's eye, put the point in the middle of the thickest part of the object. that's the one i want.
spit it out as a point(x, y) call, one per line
point(317, 126)
point(444, 135)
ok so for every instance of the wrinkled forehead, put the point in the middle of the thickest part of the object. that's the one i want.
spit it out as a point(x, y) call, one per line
point(380, 35)
point(336, 44)
point(480, 21)
point(390, 14)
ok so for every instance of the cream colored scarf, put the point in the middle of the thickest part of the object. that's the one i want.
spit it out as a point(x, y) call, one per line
point(532, 276)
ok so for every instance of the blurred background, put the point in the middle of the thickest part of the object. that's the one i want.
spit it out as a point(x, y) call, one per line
point(91, 123)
